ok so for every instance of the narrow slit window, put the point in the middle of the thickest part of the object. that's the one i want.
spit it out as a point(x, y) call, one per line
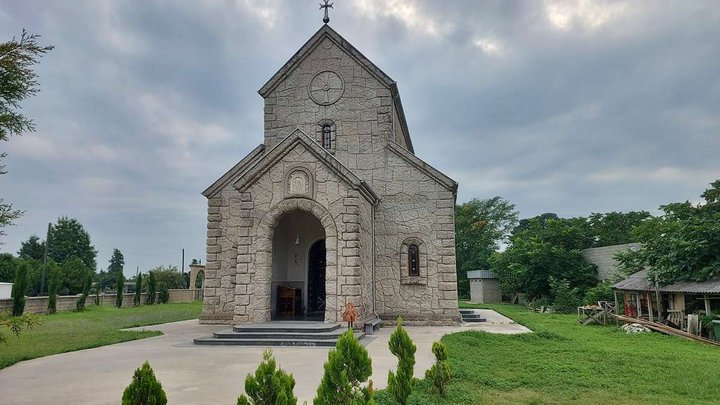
point(413, 260)
point(326, 137)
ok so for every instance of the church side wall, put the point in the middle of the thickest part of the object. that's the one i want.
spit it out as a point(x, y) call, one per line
point(363, 115)
point(415, 209)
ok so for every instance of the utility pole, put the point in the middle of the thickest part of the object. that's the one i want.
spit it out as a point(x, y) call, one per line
point(47, 242)
point(182, 269)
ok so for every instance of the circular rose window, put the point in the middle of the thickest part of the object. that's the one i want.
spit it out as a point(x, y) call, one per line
point(326, 88)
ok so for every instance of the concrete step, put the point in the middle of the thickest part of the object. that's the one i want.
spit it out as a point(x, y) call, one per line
point(233, 334)
point(251, 341)
point(474, 319)
point(287, 326)
point(467, 311)
point(471, 316)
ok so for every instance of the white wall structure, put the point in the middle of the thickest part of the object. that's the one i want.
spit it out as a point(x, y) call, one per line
point(5, 291)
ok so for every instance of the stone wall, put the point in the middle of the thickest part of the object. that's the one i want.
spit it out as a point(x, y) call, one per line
point(38, 305)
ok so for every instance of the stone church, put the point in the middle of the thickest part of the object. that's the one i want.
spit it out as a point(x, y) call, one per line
point(333, 207)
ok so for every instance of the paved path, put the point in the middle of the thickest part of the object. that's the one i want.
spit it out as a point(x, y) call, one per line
point(193, 374)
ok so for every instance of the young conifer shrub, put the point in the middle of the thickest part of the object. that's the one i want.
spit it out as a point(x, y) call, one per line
point(144, 389)
point(269, 386)
point(138, 290)
point(348, 366)
point(152, 288)
point(87, 282)
point(53, 286)
point(401, 383)
point(439, 374)
point(20, 284)
point(119, 285)
point(163, 295)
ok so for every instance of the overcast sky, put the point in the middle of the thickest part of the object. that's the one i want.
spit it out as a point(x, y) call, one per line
point(558, 107)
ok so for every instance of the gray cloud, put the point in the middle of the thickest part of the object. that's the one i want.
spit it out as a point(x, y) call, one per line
point(570, 108)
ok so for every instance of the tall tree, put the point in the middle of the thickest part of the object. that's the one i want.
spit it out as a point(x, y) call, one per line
point(74, 276)
point(116, 265)
point(19, 288)
point(681, 245)
point(18, 81)
point(69, 239)
point(7, 267)
point(480, 227)
point(615, 228)
point(119, 290)
point(33, 248)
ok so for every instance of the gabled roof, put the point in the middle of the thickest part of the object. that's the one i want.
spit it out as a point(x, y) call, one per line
point(220, 183)
point(274, 155)
point(326, 32)
point(424, 167)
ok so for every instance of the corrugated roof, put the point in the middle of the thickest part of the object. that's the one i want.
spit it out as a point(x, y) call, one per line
point(639, 282)
point(481, 274)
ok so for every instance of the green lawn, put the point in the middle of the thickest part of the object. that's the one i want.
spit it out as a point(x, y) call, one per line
point(564, 362)
point(96, 326)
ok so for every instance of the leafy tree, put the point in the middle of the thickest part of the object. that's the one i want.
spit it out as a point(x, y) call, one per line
point(169, 277)
point(116, 265)
point(18, 81)
point(601, 292)
point(68, 240)
point(439, 374)
point(119, 287)
point(16, 324)
point(74, 276)
point(545, 247)
point(33, 248)
point(480, 227)
point(7, 267)
point(615, 228)
point(152, 288)
point(348, 366)
point(566, 299)
point(138, 290)
point(144, 389)
point(53, 286)
point(164, 295)
point(401, 384)
point(87, 282)
point(683, 244)
point(19, 288)
point(269, 386)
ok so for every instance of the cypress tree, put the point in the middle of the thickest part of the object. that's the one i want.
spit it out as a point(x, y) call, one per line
point(20, 285)
point(269, 385)
point(151, 288)
point(144, 389)
point(53, 286)
point(87, 282)
point(119, 285)
point(400, 384)
point(138, 290)
point(348, 366)
point(439, 374)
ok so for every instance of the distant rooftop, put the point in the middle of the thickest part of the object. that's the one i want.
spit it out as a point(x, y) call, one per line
point(639, 282)
point(481, 274)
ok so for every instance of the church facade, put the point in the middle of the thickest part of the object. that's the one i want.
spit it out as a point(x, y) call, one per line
point(333, 207)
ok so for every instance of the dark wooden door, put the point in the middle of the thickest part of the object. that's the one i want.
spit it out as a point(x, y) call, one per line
point(316, 278)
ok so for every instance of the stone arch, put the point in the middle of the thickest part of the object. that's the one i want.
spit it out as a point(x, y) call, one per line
point(259, 309)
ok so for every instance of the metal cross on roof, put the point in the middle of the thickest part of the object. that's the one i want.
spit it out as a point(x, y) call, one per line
point(325, 6)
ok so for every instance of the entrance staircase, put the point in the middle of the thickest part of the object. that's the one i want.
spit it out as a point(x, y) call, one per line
point(279, 333)
point(469, 315)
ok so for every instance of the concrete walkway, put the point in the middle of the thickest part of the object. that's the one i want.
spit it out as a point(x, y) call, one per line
point(193, 374)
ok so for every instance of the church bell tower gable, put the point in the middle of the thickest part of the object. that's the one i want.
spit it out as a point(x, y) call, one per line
point(331, 92)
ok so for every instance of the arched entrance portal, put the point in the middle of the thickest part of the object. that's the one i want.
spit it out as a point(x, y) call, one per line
point(298, 268)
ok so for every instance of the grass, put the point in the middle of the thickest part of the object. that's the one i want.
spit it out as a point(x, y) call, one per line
point(96, 326)
point(564, 362)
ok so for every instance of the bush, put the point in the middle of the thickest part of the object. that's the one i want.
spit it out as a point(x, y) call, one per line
point(53, 286)
point(401, 346)
point(19, 288)
point(439, 374)
point(119, 285)
point(164, 295)
point(348, 366)
point(138, 290)
point(152, 285)
point(601, 292)
point(565, 299)
point(144, 389)
point(269, 385)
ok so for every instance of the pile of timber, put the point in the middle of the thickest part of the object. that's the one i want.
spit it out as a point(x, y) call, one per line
point(658, 327)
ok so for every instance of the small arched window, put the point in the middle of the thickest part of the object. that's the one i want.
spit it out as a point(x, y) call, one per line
point(413, 260)
point(327, 136)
